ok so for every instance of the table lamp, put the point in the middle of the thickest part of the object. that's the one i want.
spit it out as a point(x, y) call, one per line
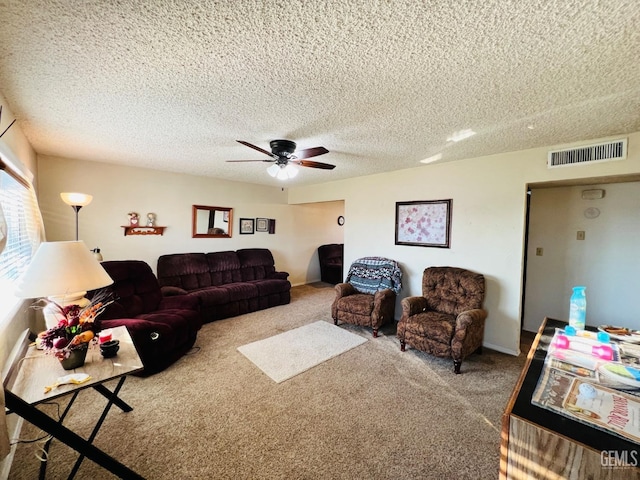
point(76, 201)
point(63, 272)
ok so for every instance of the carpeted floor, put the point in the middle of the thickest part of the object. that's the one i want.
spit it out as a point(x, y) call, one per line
point(372, 412)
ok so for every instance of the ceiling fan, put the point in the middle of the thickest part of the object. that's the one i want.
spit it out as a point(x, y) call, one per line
point(284, 158)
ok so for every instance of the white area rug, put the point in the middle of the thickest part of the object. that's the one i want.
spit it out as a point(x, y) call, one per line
point(290, 353)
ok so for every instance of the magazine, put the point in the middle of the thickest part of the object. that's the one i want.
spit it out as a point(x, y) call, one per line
point(601, 389)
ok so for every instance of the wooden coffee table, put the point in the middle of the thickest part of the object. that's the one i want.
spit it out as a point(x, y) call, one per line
point(25, 388)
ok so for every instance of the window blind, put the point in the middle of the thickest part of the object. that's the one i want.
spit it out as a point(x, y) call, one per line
point(21, 225)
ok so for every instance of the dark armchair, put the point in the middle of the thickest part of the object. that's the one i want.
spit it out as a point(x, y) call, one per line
point(330, 258)
point(163, 329)
point(368, 296)
point(448, 319)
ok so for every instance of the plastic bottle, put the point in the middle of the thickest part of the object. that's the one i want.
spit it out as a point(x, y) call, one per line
point(578, 308)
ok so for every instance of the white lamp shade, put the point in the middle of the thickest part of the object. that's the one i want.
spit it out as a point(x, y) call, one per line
point(62, 269)
point(76, 199)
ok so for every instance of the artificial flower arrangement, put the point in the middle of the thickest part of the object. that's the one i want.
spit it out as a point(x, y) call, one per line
point(75, 330)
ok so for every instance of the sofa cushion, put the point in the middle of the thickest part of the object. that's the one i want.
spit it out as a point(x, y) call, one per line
point(452, 290)
point(359, 304)
point(188, 271)
point(135, 289)
point(271, 286)
point(224, 267)
point(256, 263)
point(439, 327)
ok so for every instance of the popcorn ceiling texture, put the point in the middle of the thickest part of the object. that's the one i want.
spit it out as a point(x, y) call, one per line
point(381, 84)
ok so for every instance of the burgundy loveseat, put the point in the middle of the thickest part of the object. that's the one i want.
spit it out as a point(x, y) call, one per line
point(228, 283)
point(162, 329)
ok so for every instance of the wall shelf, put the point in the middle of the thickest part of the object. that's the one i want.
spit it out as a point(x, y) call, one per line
point(142, 230)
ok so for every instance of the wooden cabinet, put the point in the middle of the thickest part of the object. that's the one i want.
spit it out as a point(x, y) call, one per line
point(541, 444)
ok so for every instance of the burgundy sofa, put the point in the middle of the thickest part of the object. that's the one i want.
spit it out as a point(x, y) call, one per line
point(227, 283)
point(162, 329)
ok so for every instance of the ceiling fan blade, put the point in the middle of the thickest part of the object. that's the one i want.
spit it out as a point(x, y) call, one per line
point(311, 152)
point(255, 148)
point(312, 164)
point(265, 160)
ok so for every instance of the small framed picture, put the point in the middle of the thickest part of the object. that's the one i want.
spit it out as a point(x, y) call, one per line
point(246, 226)
point(262, 224)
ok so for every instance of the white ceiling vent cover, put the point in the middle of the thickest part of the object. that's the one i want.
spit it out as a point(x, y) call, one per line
point(600, 152)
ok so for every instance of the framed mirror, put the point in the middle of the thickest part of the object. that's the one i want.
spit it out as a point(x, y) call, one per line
point(212, 222)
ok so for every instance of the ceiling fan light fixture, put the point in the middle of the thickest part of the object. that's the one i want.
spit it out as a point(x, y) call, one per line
point(273, 170)
point(291, 170)
point(282, 172)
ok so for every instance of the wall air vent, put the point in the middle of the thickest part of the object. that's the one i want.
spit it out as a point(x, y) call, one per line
point(600, 152)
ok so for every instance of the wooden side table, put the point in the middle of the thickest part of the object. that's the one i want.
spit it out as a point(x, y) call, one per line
point(24, 390)
point(538, 443)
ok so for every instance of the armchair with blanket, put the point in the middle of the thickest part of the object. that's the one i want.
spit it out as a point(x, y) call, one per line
point(368, 296)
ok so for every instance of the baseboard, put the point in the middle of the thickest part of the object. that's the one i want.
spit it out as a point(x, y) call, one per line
point(14, 422)
point(500, 349)
point(14, 433)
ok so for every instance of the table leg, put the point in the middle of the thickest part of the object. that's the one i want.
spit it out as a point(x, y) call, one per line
point(43, 463)
point(107, 394)
point(62, 433)
point(112, 396)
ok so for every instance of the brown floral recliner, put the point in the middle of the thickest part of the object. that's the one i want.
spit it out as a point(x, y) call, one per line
point(368, 296)
point(448, 319)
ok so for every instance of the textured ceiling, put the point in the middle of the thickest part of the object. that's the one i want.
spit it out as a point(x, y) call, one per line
point(381, 84)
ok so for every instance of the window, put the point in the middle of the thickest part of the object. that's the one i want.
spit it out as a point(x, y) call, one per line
point(20, 232)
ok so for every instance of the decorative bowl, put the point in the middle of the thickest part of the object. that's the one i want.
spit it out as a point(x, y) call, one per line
point(110, 349)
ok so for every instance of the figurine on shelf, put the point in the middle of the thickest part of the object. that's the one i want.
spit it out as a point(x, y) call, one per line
point(133, 219)
point(151, 219)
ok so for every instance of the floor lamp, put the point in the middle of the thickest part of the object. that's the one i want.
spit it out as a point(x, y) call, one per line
point(76, 201)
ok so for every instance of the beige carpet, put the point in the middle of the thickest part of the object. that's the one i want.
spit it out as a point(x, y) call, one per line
point(291, 353)
point(373, 412)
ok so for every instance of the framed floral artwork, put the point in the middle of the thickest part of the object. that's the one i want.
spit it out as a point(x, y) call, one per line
point(247, 226)
point(424, 223)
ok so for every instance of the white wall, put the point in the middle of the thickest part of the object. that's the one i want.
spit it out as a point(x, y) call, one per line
point(15, 148)
point(488, 224)
point(607, 261)
point(117, 190)
point(489, 203)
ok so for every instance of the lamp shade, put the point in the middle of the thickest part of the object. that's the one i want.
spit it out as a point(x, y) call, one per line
point(62, 269)
point(76, 199)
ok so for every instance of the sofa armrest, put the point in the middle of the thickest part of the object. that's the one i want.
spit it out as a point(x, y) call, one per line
point(384, 306)
point(469, 332)
point(169, 291)
point(413, 305)
point(182, 302)
point(279, 275)
point(342, 290)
